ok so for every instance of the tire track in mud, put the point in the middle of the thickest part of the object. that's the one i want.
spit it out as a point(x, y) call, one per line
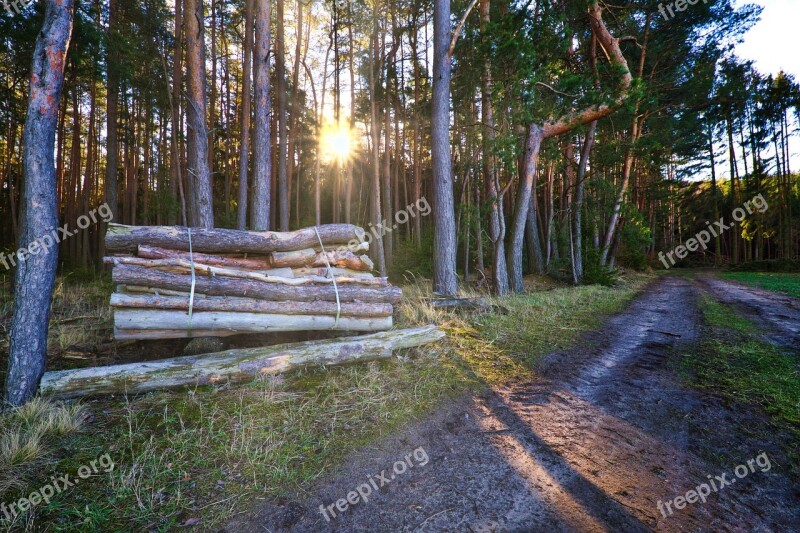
point(605, 434)
point(776, 314)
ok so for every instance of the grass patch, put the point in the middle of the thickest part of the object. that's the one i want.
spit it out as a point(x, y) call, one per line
point(784, 283)
point(541, 322)
point(202, 456)
point(733, 362)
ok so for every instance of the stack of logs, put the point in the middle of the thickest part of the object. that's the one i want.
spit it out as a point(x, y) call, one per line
point(175, 282)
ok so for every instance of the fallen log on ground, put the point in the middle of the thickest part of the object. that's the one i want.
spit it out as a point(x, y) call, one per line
point(221, 286)
point(233, 366)
point(120, 238)
point(131, 324)
point(248, 305)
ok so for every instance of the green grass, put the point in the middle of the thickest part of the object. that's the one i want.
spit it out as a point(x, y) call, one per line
point(776, 282)
point(733, 362)
point(211, 453)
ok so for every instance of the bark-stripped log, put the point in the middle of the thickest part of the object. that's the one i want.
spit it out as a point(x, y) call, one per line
point(312, 258)
point(221, 286)
point(253, 263)
point(234, 366)
point(183, 266)
point(249, 305)
point(122, 238)
point(129, 322)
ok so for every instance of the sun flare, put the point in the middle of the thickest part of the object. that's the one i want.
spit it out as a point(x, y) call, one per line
point(336, 142)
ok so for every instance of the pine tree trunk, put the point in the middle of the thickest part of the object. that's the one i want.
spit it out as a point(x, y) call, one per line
point(199, 170)
point(262, 169)
point(244, 145)
point(445, 281)
point(35, 277)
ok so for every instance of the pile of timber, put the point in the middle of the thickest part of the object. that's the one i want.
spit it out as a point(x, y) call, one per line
point(175, 282)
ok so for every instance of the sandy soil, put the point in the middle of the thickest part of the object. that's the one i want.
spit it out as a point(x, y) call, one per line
point(595, 444)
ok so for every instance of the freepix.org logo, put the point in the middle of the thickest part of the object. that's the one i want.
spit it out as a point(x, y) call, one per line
point(15, 7)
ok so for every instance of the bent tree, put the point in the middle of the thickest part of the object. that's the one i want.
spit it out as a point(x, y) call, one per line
point(35, 276)
point(537, 133)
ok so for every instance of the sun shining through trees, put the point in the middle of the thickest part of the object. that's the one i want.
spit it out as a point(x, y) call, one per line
point(337, 143)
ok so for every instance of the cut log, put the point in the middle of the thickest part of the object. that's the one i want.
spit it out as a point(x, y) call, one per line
point(224, 324)
point(184, 266)
point(248, 305)
point(233, 366)
point(252, 263)
point(312, 258)
point(120, 238)
point(221, 286)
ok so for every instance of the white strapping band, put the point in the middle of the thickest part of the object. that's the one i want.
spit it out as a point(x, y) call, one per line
point(333, 277)
point(191, 291)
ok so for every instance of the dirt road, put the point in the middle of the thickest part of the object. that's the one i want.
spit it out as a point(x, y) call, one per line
point(606, 434)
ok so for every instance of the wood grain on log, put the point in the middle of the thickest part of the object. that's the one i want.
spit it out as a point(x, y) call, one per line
point(234, 366)
point(224, 323)
point(122, 238)
point(252, 263)
point(184, 266)
point(311, 258)
point(248, 305)
point(221, 286)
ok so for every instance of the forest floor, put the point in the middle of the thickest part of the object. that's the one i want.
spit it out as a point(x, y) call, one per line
point(695, 378)
point(573, 409)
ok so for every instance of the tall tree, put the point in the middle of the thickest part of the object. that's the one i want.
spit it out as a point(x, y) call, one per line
point(35, 275)
point(112, 102)
point(244, 144)
point(262, 169)
point(283, 145)
point(444, 221)
point(199, 170)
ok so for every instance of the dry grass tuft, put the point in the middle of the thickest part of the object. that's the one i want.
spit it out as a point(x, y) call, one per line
point(27, 434)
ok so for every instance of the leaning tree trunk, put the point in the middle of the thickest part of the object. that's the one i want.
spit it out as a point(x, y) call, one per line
point(560, 126)
point(444, 240)
point(35, 277)
point(199, 170)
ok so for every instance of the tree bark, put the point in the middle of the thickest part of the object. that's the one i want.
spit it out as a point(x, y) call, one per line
point(249, 305)
point(221, 286)
point(244, 146)
point(280, 74)
point(35, 277)
point(199, 170)
point(445, 281)
point(121, 239)
point(112, 102)
point(233, 366)
point(262, 171)
point(132, 324)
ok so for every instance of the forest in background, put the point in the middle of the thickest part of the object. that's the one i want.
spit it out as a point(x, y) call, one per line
point(349, 117)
